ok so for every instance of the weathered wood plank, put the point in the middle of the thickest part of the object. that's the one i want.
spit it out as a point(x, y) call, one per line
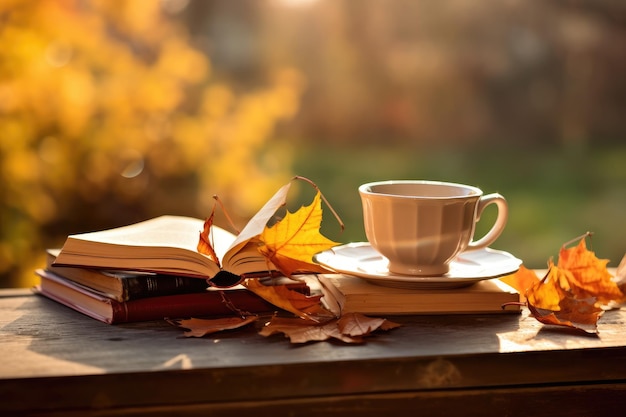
point(73, 363)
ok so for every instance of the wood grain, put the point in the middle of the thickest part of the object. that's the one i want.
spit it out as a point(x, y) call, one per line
point(73, 364)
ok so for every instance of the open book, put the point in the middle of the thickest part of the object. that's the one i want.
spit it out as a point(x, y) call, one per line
point(168, 245)
point(125, 285)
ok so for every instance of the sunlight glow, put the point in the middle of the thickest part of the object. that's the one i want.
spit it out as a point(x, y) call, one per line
point(297, 3)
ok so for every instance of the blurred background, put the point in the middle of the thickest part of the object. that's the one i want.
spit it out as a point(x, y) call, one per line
point(115, 111)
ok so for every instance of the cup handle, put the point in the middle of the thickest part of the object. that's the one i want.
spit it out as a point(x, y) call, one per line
point(498, 227)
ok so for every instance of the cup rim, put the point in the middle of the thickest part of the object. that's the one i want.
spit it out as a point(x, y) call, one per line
point(366, 189)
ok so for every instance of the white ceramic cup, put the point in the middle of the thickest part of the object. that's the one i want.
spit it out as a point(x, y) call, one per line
point(420, 226)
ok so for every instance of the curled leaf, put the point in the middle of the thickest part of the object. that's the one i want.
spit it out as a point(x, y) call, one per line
point(205, 246)
point(303, 331)
point(578, 314)
point(355, 324)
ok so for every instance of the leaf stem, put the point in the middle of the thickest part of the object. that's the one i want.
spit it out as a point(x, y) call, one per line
point(332, 210)
point(230, 221)
point(583, 236)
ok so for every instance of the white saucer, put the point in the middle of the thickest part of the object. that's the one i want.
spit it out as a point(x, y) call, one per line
point(361, 260)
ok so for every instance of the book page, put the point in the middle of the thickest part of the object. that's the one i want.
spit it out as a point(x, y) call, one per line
point(164, 231)
point(257, 224)
point(166, 244)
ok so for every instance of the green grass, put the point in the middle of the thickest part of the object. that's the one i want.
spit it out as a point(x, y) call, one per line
point(554, 196)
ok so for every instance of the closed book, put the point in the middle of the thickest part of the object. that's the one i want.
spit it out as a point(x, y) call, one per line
point(206, 304)
point(349, 294)
point(126, 285)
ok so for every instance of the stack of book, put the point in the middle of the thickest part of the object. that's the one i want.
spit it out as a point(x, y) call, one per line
point(150, 271)
point(169, 278)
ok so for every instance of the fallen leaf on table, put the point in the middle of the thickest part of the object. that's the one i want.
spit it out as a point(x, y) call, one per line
point(202, 327)
point(586, 275)
point(578, 314)
point(550, 303)
point(350, 328)
point(354, 324)
point(573, 292)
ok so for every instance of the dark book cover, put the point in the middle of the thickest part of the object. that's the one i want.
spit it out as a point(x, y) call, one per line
point(126, 285)
point(205, 304)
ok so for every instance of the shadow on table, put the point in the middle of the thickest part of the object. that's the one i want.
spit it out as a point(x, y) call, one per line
point(59, 332)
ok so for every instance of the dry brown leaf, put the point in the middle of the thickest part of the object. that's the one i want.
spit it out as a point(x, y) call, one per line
point(202, 327)
point(355, 324)
point(578, 314)
point(303, 331)
point(351, 328)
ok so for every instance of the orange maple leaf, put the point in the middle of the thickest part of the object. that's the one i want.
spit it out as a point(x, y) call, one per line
point(551, 301)
point(291, 242)
point(572, 293)
point(522, 280)
point(587, 275)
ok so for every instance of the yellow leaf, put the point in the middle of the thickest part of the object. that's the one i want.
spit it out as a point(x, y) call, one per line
point(291, 243)
point(522, 280)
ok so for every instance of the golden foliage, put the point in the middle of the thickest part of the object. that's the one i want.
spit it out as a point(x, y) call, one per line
point(103, 104)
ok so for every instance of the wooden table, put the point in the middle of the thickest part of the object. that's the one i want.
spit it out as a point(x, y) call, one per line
point(54, 361)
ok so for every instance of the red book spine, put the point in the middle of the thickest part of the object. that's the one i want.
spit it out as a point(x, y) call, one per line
point(210, 303)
